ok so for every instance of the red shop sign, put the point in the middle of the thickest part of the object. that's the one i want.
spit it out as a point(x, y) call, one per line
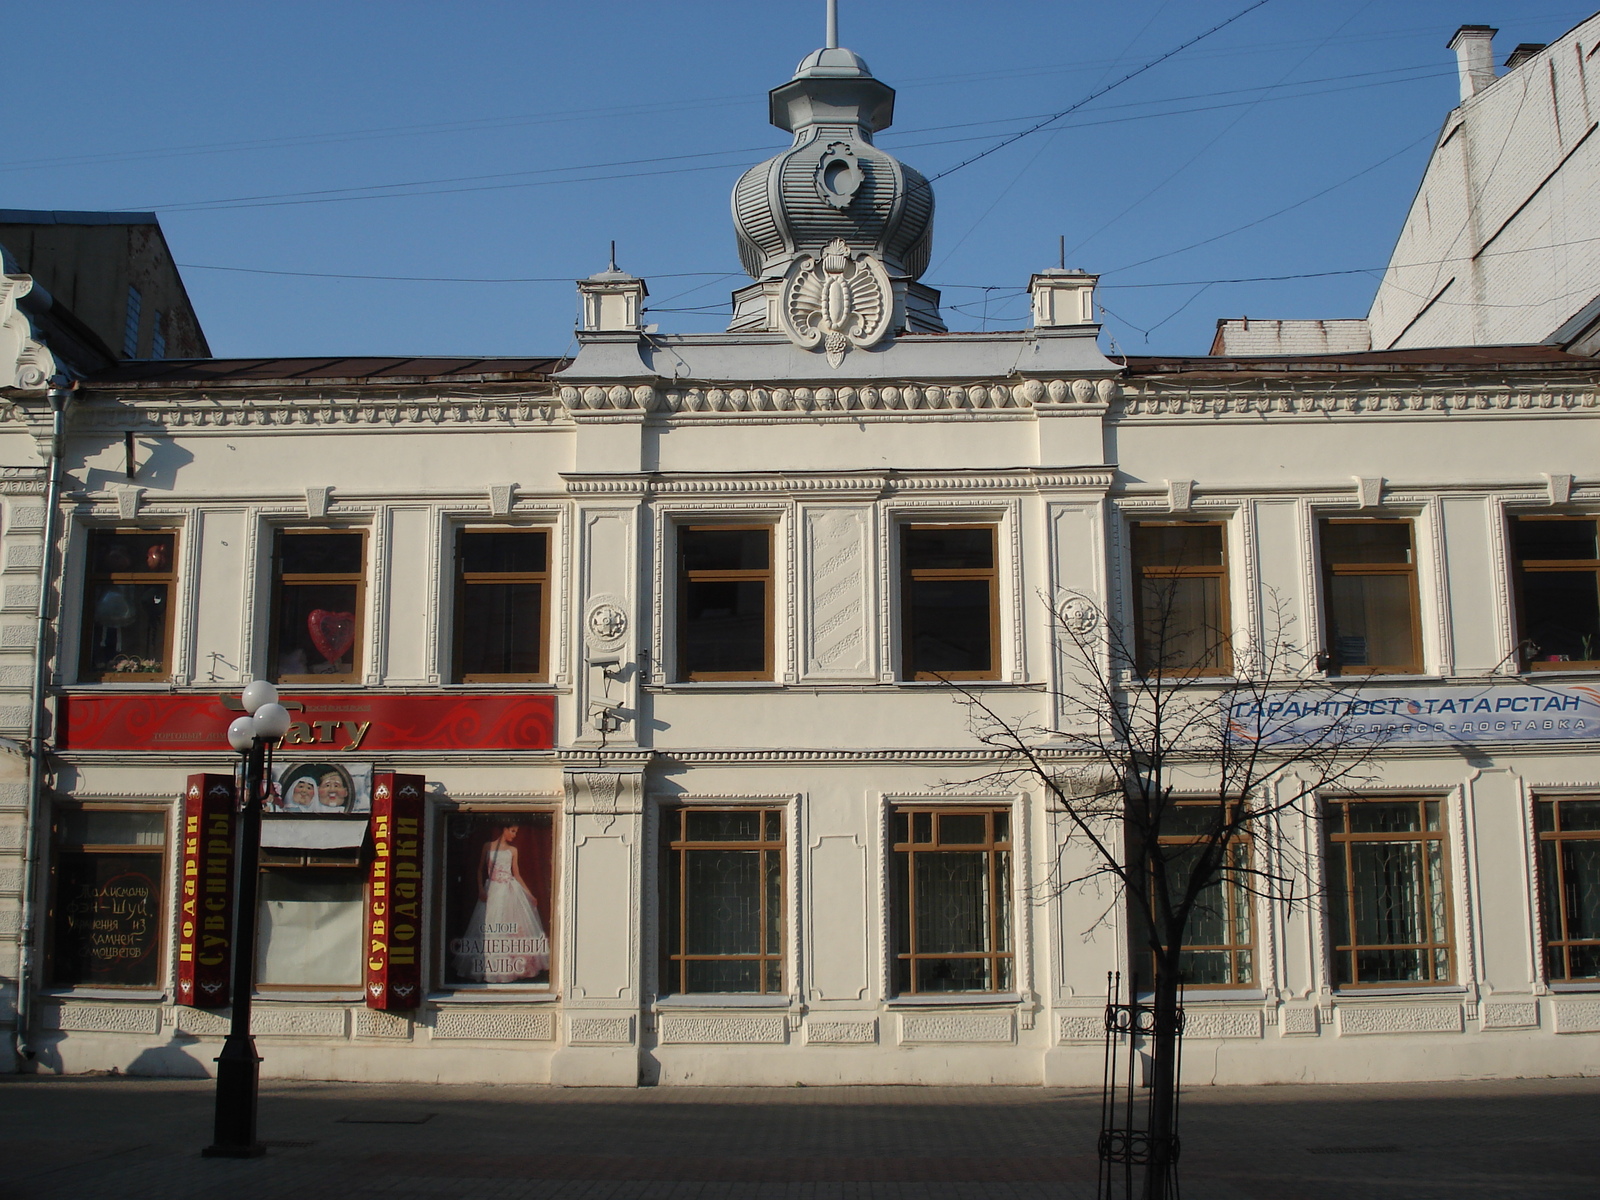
point(205, 903)
point(395, 894)
point(335, 722)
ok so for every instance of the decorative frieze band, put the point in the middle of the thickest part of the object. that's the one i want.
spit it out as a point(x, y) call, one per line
point(864, 485)
point(1145, 400)
point(265, 412)
point(1085, 395)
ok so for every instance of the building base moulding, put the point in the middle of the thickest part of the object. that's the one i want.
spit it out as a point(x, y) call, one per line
point(1510, 1014)
point(994, 1027)
point(841, 1033)
point(1361, 1019)
point(600, 1030)
point(1299, 1020)
point(493, 1025)
point(1577, 1015)
point(738, 1031)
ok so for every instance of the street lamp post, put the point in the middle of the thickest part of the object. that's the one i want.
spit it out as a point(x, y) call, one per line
point(253, 736)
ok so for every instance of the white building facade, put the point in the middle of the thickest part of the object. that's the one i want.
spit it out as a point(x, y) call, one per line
point(660, 630)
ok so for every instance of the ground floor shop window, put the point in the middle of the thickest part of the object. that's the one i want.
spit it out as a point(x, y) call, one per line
point(1388, 896)
point(497, 888)
point(311, 905)
point(1569, 886)
point(722, 911)
point(1219, 945)
point(952, 900)
point(106, 913)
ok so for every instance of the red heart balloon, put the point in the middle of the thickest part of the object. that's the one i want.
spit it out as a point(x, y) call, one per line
point(332, 633)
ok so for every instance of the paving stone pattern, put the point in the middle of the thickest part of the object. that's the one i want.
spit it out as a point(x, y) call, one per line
point(133, 1139)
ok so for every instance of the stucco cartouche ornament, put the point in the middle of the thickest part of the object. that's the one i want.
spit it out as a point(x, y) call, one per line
point(837, 300)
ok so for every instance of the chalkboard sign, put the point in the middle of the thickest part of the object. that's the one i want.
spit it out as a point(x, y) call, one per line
point(107, 926)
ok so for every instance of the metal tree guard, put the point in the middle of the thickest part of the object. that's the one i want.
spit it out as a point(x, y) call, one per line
point(1126, 1140)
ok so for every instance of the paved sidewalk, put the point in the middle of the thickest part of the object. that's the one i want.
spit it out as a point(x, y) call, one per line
point(132, 1139)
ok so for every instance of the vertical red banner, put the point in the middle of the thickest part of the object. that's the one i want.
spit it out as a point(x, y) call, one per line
point(394, 897)
point(205, 894)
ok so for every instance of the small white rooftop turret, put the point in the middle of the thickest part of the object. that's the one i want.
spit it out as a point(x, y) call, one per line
point(1062, 297)
point(613, 300)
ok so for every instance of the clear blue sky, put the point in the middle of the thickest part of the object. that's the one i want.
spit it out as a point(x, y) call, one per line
point(272, 137)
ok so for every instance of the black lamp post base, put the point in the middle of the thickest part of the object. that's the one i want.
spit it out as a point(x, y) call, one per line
point(255, 1151)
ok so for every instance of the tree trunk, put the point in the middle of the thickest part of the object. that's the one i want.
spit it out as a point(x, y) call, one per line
point(1159, 1175)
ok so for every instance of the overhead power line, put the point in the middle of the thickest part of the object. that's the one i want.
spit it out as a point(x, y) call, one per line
point(430, 187)
point(1098, 92)
point(979, 287)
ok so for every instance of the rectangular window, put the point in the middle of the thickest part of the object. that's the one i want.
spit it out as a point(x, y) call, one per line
point(498, 872)
point(725, 602)
point(1569, 886)
point(1181, 592)
point(1558, 591)
point(1219, 942)
point(952, 900)
point(321, 575)
point(1370, 583)
point(950, 594)
point(158, 337)
point(1388, 898)
point(127, 605)
point(722, 910)
point(502, 605)
point(130, 323)
point(311, 903)
point(106, 914)
point(311, 927)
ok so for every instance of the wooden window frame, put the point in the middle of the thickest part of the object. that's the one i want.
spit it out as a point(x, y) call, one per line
point(1239, 850)
point(280, 580)
point(1001, 908)
point(1549, 928)
point(1331, 570)
point(675, 908)
point(1217, 571)
point(910, 575)
point(1338, 838)
point(768, 576)
point(1521, 567)
point(91, 578)
point(358, 865)
point(465, 578)
point(162, 918)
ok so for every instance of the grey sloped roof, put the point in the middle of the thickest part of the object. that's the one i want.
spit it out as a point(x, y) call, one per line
point(225, 372)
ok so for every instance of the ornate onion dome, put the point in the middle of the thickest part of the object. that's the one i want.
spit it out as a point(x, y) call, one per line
point(833, 207)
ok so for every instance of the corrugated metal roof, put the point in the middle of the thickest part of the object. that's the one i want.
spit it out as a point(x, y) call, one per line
point(31, 216)
point(246, 372)
point(240, 372)
point(1443, 358)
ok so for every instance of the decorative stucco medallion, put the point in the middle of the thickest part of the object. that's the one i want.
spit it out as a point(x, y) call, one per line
point(1079, 615)
point(836, 301)
point(607, 622)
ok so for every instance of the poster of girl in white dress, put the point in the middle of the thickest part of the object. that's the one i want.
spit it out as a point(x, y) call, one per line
point(497, 898)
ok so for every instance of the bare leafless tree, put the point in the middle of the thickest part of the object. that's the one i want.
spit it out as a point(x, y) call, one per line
point(1176, 754)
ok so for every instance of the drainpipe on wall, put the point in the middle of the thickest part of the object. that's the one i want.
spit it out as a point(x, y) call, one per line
point(59, 396)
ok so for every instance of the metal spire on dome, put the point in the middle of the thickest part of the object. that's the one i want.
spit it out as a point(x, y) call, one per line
point(832, 42)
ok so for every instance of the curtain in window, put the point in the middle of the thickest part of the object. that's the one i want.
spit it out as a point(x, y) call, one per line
point(311, 929)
